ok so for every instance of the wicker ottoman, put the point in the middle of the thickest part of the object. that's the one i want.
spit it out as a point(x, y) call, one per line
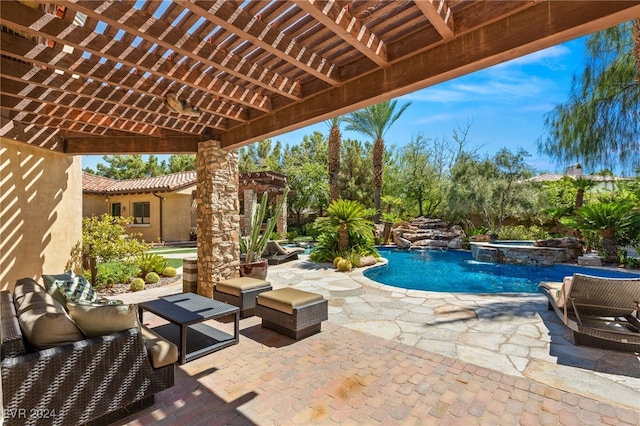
point(241, 292)
point(292, 312)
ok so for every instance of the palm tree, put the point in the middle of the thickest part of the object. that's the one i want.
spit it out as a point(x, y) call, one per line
point(347, 224)
point(582, 185)
point(607, 218)
point(375, 121)
point(335, 140)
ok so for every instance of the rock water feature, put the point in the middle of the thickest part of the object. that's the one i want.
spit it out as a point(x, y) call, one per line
point(428, 233)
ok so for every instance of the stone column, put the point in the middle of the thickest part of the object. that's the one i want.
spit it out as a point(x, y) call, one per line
point(217, 215)
point(281, 224)
point(250, 204)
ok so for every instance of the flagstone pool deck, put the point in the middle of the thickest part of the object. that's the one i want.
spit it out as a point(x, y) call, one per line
point(394, 356)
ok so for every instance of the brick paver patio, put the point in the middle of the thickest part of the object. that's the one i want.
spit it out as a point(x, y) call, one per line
point(344, 376)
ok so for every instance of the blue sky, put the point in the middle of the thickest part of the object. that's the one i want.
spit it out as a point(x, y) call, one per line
point(504, 104)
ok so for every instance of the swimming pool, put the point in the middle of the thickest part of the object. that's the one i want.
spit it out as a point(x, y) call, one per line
point(456, 271)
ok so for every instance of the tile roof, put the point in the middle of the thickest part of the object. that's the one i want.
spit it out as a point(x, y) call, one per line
point(174, 181)
point(552, 177)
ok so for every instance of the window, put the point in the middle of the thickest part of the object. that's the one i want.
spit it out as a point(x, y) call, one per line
point(141, 213)
point(116, 210)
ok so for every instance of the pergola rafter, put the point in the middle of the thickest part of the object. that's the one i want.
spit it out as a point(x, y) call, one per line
point(339, 20)
point(440, 15)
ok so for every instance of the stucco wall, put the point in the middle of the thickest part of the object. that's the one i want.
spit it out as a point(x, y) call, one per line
point(94, 205)
point(177, 216)
point(40, 211)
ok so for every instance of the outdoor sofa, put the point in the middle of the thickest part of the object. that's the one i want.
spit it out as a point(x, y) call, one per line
point(58, 371)
point(601, 312)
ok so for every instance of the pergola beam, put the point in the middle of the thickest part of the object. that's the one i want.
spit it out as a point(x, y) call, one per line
point(132, 145)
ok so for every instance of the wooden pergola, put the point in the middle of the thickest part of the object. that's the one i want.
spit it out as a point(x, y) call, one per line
point(149, 76)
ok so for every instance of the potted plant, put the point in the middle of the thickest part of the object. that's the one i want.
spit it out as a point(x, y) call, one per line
point(253, 245)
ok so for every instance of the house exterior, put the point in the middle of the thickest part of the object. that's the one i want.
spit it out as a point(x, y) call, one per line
point(164, 207)
point(574, 171)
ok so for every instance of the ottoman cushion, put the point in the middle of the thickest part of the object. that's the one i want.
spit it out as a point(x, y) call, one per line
point(236, 286)
point(286, 299)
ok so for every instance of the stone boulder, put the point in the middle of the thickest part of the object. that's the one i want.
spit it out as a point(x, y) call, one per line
point(574, 248)
point(367, 261)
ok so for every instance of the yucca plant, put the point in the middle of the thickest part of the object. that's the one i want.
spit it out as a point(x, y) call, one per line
point(253, 245)
point(607, 218)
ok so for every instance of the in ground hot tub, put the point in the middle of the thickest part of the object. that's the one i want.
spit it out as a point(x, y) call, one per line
point(517, 253)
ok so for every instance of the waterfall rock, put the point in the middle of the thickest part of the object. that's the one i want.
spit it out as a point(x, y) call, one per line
point(428, 233)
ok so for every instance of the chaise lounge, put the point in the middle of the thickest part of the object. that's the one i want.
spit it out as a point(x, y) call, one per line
point(276, 254)
point(601, 312)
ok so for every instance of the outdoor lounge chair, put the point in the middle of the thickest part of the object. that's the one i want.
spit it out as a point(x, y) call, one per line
point(276, 254)
point(601, 312)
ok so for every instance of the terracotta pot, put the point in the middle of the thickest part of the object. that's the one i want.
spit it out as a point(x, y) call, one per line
point(255, 270)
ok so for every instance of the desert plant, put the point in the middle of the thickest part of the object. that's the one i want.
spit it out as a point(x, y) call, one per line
point(253, 245)
point(152, 278)
point(169, 271)
point(150, 262)
point(137, 284)
point(607, 218)
point(344, 265)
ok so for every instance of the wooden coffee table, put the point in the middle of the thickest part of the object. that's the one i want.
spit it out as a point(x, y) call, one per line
point(186, 313)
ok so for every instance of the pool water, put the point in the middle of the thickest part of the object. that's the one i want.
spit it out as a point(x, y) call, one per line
point(456, 271)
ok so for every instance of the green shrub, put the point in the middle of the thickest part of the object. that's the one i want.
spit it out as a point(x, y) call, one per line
point(152, 278)
point(116, 272)
point(149, 262)
point(521, 232)
point(109, 283)
point(291, 236)
point(169, 271)
point(137, 284)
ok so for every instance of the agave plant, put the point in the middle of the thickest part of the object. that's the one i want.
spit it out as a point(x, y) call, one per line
point(607, 218)
point(253, 245)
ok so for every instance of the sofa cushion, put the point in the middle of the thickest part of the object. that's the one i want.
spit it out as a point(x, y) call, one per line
point(24, 286)
point(77, 289)
point(44, 322)
point(51, 284)
point(161, 351)
point(97, 319)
